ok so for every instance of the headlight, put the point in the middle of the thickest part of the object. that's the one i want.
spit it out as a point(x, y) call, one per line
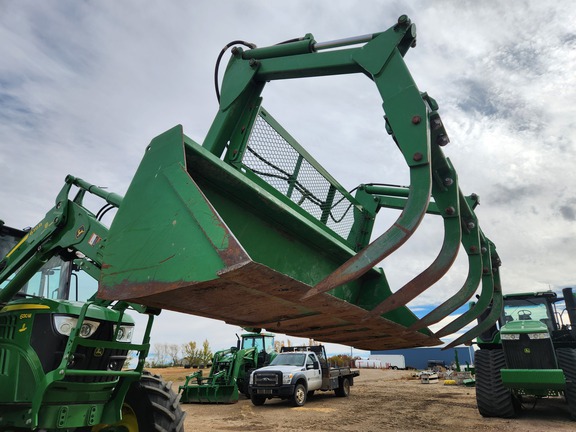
point(64, 325)
point(287, 378)
point(539, 335)
point(124, 333)
point(510, 336)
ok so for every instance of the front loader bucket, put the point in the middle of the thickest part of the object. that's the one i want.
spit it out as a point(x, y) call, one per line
point(209, 393)
point(248, 228)
point(196, 236)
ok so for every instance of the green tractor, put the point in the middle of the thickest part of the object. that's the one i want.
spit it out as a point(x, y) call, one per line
point(62, 351)
point(230, 371)
point(531, 354)
point(245, 227)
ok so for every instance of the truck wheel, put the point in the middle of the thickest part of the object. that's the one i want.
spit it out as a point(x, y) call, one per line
point(567, 362)
point(493, 399)
point(344, 389)
point(150, 405)
point(299, 395)
point(257, 400)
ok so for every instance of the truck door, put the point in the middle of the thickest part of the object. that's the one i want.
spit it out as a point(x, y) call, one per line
point(313, 372)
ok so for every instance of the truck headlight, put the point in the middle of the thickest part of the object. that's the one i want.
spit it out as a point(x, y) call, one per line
point(510, 336)
point(287, 378)
point(539, 335)
point(124, 333)
point(64, 325)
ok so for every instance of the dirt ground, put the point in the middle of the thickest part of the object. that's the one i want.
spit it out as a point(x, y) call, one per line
point(380, 400)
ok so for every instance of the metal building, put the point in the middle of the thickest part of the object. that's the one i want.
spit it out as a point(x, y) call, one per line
point(419, 358)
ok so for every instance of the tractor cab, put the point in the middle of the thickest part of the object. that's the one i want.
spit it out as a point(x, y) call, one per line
point(264, 344)
point(531, 307)
point(56, 279)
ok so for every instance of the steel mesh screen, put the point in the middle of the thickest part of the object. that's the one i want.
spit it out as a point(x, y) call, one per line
point(272, 158)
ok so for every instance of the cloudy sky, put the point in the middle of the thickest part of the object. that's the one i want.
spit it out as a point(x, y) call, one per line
point(84, 87)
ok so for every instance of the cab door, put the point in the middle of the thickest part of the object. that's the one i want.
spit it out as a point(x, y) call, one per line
point(313, 372)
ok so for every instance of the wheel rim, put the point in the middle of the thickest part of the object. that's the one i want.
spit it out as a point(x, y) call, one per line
point(346, 387)
point(129, 421)
point(300, 395)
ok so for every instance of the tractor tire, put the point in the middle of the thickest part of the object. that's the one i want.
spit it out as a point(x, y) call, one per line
point(299, 396)
point(150, 405)
point(344, 389)
point(244, 383)
point(493, 399)
point(258, 400)
point(567, 362)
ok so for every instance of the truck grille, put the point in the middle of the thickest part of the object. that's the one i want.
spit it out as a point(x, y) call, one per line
point(263, 379)
point(528, 353)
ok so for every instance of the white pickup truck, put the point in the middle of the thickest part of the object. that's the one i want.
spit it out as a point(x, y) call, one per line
point(295, 373)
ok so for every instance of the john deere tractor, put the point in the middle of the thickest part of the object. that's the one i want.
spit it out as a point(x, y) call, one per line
point(230, 371)
point(62, 351)
point(529, 355)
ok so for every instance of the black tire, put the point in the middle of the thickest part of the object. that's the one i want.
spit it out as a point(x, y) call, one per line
point(567, 362)
point(257, 400)
point(151, 405)
point(244, 383)
point(493, 399)
point(299, 395)
point(344, 389)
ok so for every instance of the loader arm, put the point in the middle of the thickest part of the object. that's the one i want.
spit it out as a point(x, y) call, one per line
point(61, 341)
point(68, 228)
point(249, 228)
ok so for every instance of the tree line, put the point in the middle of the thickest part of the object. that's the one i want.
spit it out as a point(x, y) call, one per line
point(188, 354)
point(192, 355)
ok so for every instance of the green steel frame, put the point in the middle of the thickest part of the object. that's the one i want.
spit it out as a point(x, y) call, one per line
point(228, 218)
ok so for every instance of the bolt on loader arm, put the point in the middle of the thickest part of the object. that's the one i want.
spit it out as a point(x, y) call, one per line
point(249, 228)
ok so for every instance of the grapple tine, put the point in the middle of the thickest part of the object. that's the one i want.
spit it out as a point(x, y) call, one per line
point(488, 322)
point(471, 241)
point(446, 196)
point(388, 242)
point(489, 281)
point(406, 125)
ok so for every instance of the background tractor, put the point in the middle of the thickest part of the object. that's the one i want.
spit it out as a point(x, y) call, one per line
point(230, 371)
point(530, 354)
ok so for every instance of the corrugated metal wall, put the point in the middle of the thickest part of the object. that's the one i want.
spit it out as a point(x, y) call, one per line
point(418, 357)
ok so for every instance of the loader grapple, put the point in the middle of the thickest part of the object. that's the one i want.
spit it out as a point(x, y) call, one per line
point(250, 229)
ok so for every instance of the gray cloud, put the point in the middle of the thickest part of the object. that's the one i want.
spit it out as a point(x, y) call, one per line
point(568, 212)
point(84, 86)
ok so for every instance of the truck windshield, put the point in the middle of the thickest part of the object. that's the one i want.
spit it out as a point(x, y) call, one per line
point(291, 359)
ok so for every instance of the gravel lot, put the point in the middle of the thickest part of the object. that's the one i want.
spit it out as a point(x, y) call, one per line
point(380, 400)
